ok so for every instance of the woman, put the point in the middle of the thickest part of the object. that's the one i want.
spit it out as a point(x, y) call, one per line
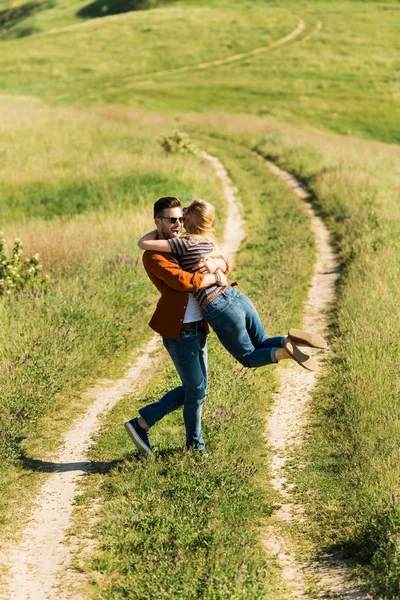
point(230, 313)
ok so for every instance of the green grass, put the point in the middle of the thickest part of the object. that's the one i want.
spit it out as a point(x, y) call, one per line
point(343, 78)
point(20, 18)
point(64, 162)
point(119, 48)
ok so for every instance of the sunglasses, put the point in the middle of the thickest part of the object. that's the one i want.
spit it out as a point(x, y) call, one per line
point(173, 220)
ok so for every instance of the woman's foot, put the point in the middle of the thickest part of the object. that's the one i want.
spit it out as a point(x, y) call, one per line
point(306, 338)
point(305, 361)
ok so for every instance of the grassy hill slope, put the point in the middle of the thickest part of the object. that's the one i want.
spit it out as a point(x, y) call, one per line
point(340, 74)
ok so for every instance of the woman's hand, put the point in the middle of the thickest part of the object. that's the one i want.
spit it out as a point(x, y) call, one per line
point(210, 265)
point(222, 280)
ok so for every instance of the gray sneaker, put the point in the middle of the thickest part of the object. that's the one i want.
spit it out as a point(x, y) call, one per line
point(139, 436)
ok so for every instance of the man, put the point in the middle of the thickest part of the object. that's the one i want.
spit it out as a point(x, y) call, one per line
point(179, 320)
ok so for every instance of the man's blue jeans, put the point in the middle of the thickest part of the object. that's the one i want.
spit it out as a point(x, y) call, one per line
point(235, 320)
point(189, 355)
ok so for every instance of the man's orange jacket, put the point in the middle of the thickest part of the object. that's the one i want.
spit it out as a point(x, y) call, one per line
point(166, 274)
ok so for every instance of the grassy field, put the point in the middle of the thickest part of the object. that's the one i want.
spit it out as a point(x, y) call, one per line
point(141, 43)
point(80, 166)
point(342, 76)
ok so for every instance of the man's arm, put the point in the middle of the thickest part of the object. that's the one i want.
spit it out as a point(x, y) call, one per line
point(166, 269)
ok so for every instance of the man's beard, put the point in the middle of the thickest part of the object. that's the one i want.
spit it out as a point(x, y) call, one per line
point(166, 232)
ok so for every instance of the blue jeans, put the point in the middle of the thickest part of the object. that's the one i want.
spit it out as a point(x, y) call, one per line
point(189, 355)
point(235, 320)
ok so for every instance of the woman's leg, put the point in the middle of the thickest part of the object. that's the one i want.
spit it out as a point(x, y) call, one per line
point(237, 324)
point(254, 326)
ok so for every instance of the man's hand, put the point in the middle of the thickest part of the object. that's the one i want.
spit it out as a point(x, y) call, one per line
point(210, 265)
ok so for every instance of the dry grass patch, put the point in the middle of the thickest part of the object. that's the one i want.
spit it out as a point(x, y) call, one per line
point(66, 244)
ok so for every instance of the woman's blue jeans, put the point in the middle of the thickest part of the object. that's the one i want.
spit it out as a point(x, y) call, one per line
point(235, 320)
point(189, 355)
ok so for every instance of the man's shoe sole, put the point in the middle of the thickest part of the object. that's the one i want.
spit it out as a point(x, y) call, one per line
point(313, 340)
point(137, 440)
point(305, 361)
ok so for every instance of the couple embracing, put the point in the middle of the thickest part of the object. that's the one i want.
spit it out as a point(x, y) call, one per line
point(190, 273)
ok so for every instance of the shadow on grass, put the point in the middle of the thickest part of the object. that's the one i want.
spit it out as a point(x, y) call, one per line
point(170, 452)
point(135, 455)
point(10, 17)
point(104, 8)
point(43, 466)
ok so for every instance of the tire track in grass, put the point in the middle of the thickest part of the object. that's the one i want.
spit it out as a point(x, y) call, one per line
point(35, 564)
point(140, 81)
point(227, 60)
point(285, 426)
point(317, 29)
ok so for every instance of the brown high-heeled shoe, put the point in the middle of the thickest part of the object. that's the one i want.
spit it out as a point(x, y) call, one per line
point(305, 361)
point(306, 338)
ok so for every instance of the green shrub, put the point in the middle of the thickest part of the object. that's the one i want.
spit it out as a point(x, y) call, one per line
point(178, 143)
point(17, 273)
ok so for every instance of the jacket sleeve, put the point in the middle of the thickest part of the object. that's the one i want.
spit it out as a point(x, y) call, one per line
point(166, 268)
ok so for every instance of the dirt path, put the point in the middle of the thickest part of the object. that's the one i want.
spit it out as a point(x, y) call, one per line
point(35, 564)
point(285, 426)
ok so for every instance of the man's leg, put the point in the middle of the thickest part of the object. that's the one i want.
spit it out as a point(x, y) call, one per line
point(152, 413)
point(138, 428)
point(189, 355)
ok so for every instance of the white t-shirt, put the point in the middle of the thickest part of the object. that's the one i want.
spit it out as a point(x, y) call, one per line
point(193, 311)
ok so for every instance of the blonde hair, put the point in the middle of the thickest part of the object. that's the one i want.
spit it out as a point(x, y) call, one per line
point(199, 220)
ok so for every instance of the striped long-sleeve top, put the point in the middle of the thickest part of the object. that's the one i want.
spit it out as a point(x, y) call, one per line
point(189, 251)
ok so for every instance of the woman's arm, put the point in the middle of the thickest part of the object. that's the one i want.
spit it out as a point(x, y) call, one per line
point(210, 265)
point(218, 278)
point(149, 242)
